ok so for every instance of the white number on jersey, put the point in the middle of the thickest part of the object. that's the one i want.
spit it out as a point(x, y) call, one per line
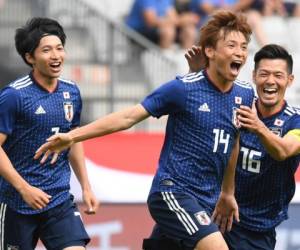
point(55, 130)
point(249, 163)
point(221, 138)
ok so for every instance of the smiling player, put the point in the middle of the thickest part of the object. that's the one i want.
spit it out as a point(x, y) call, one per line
point(200, 136)
point(35, 202)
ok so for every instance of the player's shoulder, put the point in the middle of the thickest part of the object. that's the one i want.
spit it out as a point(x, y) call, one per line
point(69, 84)
point(192, 77)
point(243, 84)
point(20, 83)
point(290, 110)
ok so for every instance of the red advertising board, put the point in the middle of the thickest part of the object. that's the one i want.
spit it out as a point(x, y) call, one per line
point(121, 166)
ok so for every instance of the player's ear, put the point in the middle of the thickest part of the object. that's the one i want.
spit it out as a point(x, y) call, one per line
point(290, 79)
point(29, 58)
point(209, 52)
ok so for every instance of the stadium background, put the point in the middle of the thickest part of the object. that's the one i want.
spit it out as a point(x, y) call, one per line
point(114, 68)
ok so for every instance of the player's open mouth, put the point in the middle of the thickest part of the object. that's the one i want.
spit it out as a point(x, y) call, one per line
point(270, 90)
point(55, 65)
point(236, 65)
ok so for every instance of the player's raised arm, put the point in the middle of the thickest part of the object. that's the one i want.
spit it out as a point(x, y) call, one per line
point(108, 124)
point(280, 148)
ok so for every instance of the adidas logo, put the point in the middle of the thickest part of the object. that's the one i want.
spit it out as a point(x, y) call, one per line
point(204, 107)
point(40, 110)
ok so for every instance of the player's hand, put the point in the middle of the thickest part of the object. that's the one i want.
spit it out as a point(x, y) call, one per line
point(35, 197)
point(90, 201)
point(54, 145)
point(195, 58)
point(248, 118)
point(226, 209)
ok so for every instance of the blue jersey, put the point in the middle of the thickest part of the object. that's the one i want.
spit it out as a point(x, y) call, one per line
point(200, 133)
point(28, 116)
point(136, 20)
point(264, 186)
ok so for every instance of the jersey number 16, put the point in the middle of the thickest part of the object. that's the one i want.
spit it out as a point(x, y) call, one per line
point(249, 163)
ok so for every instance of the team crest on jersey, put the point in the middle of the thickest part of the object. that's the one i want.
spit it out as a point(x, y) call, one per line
point(66, 95)
point(202, 218)
point(238, 100)
point(10, 247)
point(278, 122)
point(69, 111)
point(235, 119)
point(276, 131)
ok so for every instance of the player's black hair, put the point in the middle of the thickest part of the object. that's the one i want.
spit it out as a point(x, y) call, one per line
point(274, 51)
point(27, 38)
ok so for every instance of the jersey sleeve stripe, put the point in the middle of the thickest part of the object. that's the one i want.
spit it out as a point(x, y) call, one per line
point(23, 86)
point(21, 79)
point(289, 111)
point(16, 84)
point(193, 79)
point(66, 81)
point(243, 84)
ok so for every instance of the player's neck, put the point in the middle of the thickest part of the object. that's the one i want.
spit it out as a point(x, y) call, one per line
point(267, 111)
point(218, 80)
point(47, 83)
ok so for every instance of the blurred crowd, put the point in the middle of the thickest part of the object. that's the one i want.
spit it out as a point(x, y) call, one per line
point(176, 23)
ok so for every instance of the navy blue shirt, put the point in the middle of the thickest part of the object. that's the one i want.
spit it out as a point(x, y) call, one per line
point(264, 186)
point(200, 133)
point(28, 116)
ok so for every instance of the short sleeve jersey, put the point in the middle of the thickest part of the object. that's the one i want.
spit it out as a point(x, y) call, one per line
point(264, 186)
point(135, 19)
point(200, 133)
point(28, 116)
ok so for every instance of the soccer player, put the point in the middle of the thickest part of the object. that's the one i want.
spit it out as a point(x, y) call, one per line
point(265, 181)
point(200, 135)
point(35, 202)
point(269, 154)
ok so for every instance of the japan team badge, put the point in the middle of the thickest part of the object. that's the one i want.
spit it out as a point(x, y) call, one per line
point(69, 111)
point(278, 122)
point(235, 119)
point(202, 218)
point(66, 95)
point(238, 100)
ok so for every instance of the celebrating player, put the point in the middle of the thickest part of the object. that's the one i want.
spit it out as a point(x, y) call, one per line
point(269, 153)
point(200, 135)
point(35, 199)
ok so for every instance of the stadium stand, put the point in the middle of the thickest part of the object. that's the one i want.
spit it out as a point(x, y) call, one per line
point(113, 65)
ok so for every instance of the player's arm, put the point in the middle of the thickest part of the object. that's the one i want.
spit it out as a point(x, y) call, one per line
point(9, 107)
point(76, 157)
point(280, 148)
point(108, 124)
point(226, 206)
point(34, 197)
